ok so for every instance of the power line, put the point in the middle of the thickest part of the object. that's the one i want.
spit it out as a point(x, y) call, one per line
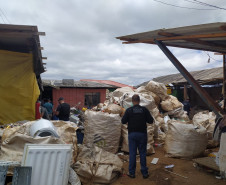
point(204, 4)
point(210, 5)
point(211, 57)
point(191, 1)
point(180, 6)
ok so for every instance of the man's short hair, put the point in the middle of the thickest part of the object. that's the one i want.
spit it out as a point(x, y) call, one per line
point(61, 98)
point(135, 98)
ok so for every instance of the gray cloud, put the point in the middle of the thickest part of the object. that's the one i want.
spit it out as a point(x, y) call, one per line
point(80, 41)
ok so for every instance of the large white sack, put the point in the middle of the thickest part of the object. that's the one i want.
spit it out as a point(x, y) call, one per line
point(185, 140)
point(14, 139)
point(143, 90)
point(145, 100)
point(155, 112)
point(158, 88)
point(96, 166)
point(118, 93)
point(114, 109)
point(179, 114)
point(125, 141)
point(102, 130)
point(171, 103)
point(207, 120)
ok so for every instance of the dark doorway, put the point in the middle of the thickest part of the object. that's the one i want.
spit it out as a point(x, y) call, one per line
point(47, 93)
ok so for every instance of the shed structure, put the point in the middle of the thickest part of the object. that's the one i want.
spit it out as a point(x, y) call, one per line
point(207, 37)
point(20, 67)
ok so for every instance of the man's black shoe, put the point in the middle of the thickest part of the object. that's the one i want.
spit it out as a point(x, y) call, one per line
point(131, 176)
point(145, 176)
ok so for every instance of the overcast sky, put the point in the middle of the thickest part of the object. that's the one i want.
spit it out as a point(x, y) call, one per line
point(80, 36)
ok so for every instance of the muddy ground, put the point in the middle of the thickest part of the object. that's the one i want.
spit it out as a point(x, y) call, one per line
point(158, 175)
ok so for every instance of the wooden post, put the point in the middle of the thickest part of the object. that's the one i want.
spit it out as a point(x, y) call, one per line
point(224, 81)
point(202, 93)
point(185, 93)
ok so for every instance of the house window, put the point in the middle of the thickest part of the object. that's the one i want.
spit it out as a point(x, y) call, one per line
point(92, 99)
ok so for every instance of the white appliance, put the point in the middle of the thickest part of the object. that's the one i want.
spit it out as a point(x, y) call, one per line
point(43, 128)
point(50, 163)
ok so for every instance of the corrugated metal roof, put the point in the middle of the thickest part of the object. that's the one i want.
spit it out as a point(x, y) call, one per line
point(78, 84)
point(109, 82)
point(208, 37)
point(206, 76)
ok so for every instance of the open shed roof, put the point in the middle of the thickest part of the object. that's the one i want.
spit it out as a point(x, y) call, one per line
point(23, 38)
point(208, 37)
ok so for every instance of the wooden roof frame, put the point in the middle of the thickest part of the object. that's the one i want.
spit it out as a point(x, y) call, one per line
point(201, 37)
point(170, 38)
point(25, 39)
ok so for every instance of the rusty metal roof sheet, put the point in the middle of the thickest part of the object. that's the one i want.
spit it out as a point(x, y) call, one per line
point(76, 84)
point(207, 76)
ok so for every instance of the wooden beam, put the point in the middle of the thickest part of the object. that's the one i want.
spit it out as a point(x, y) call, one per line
point(202, 93)
point(44, 58)
point(207, 43)
point(188, 47)
point(16, 34)
point(182, 37)
point(41, 48)
point(219, 53)
point(41, 33)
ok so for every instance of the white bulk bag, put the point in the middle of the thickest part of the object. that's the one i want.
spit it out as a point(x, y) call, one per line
point(185, 140)
point(102, 130)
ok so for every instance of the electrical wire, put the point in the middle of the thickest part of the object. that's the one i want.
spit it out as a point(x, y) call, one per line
point(180, 6)
point(204, 4)
point(211, 57)
point(210, 5)
point(191, 1)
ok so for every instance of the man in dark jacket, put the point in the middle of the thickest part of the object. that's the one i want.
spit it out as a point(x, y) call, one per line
point(63, 110)
point(137, 118)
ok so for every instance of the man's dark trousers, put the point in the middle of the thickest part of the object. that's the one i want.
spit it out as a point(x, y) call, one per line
point(137, 140)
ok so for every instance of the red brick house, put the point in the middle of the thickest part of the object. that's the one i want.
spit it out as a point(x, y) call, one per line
point(87, 93)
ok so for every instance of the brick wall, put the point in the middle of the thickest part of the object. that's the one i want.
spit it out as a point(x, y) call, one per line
point(75, 95)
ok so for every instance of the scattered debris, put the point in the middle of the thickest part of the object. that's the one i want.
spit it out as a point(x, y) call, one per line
point(154, 161)
point(176, 174)
point(169, 166)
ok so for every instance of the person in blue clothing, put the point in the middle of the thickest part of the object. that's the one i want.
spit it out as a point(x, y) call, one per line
point(49, 107)
point(137, 118)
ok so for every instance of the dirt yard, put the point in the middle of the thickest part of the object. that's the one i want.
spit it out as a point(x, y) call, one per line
point(158, 176)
